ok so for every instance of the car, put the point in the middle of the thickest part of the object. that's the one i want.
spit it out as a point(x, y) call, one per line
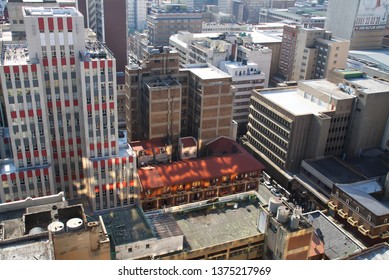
point(275, 192)
point(268, 185)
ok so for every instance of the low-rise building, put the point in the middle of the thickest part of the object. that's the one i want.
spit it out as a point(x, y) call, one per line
point(49, 228)
point(228, 170)
point(365, 206)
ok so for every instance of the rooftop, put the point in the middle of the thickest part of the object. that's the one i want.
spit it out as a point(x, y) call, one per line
point(126, 225)
point(206, 72)
point(188, 171)
point(289, 100)
point(40, 249)
point(377, 252)
point(370, 86)
point(336, 171)
point(338, 243)
point(14, 54)
point(361, 192)
point(372, 58)
point(218, 224)
point(370, 167)
point(148, 144)
point(330, 89)
point(55, 11)
point(95, 50)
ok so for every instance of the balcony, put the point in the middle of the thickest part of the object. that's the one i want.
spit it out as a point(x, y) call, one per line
point(362, 230)
point(332, 206)
point(342, 213)
point(352, 222)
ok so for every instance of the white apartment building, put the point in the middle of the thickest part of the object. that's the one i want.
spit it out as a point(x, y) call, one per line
point(246, 76)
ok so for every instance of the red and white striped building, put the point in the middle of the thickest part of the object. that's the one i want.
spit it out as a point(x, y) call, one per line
point(61, 106)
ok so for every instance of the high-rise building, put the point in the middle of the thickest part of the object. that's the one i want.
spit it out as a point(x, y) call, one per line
point(291, 124)
point(361, 22)
point(137, 13)
point(246, 76)
point(162, 22)
point(288, 48)
point(316, 53)
point(108, 19)
point(62, 114)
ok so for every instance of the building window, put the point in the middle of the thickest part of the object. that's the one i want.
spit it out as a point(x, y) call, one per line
point(357, 209)
point(129, 250)
point(369, 218)
point(147, 246)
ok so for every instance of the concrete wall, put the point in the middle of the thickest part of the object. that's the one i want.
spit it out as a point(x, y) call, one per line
point(150, 247)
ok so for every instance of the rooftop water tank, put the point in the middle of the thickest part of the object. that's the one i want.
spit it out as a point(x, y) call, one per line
point(35, 230)
point(56, 227)
point(274, 203)
point(294, 222)
point(282, 214)
point(74, 224)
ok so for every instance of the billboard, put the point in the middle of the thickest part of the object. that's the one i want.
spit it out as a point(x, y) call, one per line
point(372, 15)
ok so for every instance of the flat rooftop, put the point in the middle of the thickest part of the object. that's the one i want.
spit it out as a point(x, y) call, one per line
point(338, 243)
point(218, 225)
point(361, 192)
point(334, 170)
point(330, 89)
point(291, 101)
point(370, 167)
point(373, 58)
point(377, 252)
point(14, 54)
point(206, 72)
point(126, 225)
point(40, 249)
point(263, 37)
point(370, 86)
point(55, 11)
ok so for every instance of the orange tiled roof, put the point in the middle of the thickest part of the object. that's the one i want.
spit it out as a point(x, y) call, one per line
point(188, 171)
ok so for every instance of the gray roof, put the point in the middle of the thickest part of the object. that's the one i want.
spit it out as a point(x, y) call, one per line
point(377, 252)
point(210, 227)
point(337, 243)
point(334, 170)
point(126, 226)
point(361, 191)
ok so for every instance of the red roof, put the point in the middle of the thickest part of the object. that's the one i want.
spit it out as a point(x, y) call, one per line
point(188, 142)
point(147, 144)
point(223, 145)
point(188, 171)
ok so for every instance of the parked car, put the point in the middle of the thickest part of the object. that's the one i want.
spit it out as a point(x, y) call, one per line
point(268, 185)
point(275, 192)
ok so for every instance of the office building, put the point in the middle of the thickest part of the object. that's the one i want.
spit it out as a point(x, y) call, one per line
point(62, 111)
point(363, 23)
point(370, 114)
point(304, 18)
point(164, 21)
point(137, 14)
point(246, 76)
point(215, 48)
point(316, 53)
point(148, 80)
point(108, 19)
point(320, 114)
